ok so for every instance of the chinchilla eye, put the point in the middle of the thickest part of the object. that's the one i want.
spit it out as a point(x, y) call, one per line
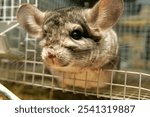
point(76, 34)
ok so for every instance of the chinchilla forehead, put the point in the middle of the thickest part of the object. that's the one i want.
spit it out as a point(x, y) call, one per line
point(58, 18)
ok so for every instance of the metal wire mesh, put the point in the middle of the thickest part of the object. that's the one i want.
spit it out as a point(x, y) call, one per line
point(133, 31)
point(8, 8)
point(134, 38)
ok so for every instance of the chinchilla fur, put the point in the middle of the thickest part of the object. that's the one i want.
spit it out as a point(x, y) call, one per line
point(77, 43)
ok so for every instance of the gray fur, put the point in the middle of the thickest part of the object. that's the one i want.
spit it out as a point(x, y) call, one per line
point(96, 50)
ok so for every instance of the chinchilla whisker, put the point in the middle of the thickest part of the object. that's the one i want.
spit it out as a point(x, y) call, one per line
point(15, 61)
point(74, 40)
point(20, 67)
point(118, 56)
point(112, 63)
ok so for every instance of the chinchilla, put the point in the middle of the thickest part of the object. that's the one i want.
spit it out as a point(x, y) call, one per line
point(78, 44)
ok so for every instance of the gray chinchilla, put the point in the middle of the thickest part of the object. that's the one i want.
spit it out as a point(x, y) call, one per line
point(77, 43)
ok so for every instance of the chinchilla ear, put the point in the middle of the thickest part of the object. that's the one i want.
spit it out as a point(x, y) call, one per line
point(31, 19)
point(104, 14)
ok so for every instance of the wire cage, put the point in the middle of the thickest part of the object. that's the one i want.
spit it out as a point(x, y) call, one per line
point(9, 7)
point(20, 59)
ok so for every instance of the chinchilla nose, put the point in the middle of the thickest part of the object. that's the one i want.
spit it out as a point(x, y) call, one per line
point(50, 55)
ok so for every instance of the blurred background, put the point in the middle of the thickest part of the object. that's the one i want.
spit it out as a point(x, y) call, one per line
point(22, 70)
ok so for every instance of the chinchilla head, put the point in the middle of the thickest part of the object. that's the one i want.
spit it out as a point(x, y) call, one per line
point(74, 37)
